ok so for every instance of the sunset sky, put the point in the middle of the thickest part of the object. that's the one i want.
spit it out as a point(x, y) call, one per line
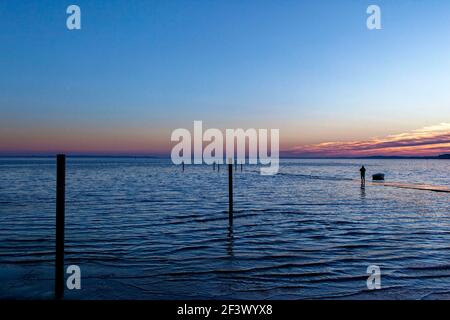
point(139, 69)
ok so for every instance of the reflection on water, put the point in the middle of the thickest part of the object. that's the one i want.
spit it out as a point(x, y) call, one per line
point(363, 192)
point(230, 242)
point(142, 228)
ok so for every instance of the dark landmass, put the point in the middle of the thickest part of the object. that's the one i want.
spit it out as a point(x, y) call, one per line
point(442, 156)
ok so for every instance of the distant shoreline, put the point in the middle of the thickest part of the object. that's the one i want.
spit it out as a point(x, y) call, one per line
point(440, 157)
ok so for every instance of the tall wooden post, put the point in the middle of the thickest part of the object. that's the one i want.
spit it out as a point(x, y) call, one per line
point(60, 217)
point(230, 194)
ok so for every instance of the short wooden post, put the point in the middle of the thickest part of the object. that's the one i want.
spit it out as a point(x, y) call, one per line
point(214, 166)
point(230, 193)
point(241, 166)
point(182, 164)
point(60, 217)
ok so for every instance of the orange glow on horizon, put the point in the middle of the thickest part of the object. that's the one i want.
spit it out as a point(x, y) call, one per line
point(428, 141)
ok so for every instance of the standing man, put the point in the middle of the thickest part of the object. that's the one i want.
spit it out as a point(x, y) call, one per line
point(363, 176)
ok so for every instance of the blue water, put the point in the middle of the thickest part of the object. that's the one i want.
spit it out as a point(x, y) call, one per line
point(143, 229)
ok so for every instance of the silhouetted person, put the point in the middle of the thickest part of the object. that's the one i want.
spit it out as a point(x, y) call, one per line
point(363, 175)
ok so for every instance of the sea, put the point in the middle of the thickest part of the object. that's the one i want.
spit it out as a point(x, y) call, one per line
point(142, 228)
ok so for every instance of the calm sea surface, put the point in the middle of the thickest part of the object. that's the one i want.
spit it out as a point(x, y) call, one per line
point(143, 229)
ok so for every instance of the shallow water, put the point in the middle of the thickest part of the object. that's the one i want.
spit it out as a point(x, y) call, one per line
point(142, 229)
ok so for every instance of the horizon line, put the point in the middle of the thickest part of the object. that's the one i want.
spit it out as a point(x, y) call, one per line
point(159, 156)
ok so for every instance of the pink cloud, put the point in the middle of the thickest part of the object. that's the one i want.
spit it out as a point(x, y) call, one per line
point(427, 141)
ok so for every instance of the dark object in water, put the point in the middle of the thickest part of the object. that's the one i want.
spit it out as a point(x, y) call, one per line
point(378, 176)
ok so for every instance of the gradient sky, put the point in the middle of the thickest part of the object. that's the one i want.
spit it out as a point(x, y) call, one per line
point(139, 69)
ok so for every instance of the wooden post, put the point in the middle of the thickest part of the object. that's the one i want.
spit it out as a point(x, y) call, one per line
point(182, 163)
point(230, 194)
point(60, 217)
point(241, 166)
point(235, 166)
point(214, 166)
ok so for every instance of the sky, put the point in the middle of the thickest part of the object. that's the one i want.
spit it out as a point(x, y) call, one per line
point(137, 70)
